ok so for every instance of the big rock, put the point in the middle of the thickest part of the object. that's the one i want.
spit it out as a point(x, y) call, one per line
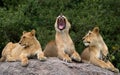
point(52, 66)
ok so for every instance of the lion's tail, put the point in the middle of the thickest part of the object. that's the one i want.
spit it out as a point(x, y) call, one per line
point(2, 59)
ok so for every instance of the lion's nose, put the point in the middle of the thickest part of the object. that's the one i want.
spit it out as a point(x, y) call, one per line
point(19, 42)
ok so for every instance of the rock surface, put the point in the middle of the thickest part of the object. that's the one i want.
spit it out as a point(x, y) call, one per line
point(53, 66)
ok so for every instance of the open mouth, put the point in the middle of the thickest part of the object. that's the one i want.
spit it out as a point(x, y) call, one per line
point(61, 22)
point(23, 45)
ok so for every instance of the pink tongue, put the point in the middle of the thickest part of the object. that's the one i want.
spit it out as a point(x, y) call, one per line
point(61, 26)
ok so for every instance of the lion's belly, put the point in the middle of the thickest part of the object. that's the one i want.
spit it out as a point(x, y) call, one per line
point(66, 43)
point(68, 48)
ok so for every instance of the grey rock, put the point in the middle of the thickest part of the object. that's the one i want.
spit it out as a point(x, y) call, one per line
point(52, 66)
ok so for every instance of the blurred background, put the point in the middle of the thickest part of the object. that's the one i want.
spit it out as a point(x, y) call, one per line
point(17, 16)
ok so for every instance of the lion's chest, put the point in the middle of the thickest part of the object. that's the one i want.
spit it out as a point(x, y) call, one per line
point(97, 53)
point(31, 51)
point(67, 44)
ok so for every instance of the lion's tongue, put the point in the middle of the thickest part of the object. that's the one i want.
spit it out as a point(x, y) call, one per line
point(61, 26)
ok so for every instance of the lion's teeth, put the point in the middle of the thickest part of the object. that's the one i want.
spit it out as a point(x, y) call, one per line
point(86, 44)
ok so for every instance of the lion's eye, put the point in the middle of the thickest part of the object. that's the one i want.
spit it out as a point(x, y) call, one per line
point(90, 33)
point(24, 37)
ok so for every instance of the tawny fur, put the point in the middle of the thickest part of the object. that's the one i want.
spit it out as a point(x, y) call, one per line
point(51, 49)
point(28, 46)
point(96, 50)
point(62, 46)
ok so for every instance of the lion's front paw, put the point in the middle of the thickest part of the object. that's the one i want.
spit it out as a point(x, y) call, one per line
point(115, 70)
point(66, 58)
point(43, 58)
point(76, 57)
point(10, 60)
point(24, 63)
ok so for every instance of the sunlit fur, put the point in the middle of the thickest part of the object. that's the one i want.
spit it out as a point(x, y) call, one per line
point(28, 46)
point(62, 46)
point(96, 50)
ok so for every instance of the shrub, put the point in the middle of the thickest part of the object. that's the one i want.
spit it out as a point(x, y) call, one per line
point(18, 16)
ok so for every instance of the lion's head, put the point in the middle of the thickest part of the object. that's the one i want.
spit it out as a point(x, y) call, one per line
point(92, 38)
point(27, 39)
point(62, 23)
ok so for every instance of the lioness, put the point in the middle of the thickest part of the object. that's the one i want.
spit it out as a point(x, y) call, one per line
point(62, 46)
point(28, 46)
point(96, 50)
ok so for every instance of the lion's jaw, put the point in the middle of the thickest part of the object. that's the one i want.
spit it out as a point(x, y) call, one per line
point(86, 43)
point(62, 23)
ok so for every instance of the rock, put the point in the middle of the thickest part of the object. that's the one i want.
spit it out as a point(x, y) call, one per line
point(53, 66)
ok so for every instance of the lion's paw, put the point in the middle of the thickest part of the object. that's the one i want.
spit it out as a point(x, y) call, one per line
point(66, 58)
point(24, 64)
point(115, 70)
point(42, 58)
point(76, 57)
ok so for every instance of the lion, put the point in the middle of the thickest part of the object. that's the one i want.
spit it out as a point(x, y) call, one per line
point(63, 46)
point(96, 50)
point(28, 46)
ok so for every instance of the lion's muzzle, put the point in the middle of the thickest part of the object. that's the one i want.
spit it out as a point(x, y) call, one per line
point(61, 22)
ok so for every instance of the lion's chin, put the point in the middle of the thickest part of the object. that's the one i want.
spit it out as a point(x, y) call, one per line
point(24, 45)
point(86, 44)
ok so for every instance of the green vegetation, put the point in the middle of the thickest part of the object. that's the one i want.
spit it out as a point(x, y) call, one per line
point(17, 16)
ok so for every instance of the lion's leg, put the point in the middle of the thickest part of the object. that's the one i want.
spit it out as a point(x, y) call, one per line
point(51, 49)
point(10, 58)
point(85, 56)
point(85, 61)
point(75, 56)
point(24, 59)
point(63, 56)
point(112, 66)
point(99, 63)
point(2, 59)
point(40, 55)
point(103, 64)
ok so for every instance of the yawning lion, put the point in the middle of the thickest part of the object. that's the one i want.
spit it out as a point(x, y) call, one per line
point(63, 46)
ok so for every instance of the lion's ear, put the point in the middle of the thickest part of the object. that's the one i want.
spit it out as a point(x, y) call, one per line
point(96, 29)
point(33, 32)
point(24, 32)
point(89, 31)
